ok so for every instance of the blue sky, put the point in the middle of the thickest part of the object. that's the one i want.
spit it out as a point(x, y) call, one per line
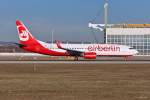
point(69, 18)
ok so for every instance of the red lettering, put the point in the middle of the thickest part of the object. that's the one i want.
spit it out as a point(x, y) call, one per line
point(103, 48)
point(90, 48)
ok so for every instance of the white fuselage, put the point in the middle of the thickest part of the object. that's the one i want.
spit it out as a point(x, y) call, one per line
point(99, 49)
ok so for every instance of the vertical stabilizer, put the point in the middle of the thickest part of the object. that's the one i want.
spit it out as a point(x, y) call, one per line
point(25, 36)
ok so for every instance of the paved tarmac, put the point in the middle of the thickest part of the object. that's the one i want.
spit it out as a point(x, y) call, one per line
point(74, 62)
point(38, 57)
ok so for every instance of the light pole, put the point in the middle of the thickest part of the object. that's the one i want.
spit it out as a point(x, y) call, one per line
point(52, 37)
point(105, 19)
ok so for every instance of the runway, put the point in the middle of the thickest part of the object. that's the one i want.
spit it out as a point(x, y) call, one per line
point(74, 62)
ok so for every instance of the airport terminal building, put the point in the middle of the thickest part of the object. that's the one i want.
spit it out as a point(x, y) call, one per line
point(134, 35)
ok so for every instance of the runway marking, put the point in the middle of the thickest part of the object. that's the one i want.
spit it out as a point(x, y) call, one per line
point(74, 62)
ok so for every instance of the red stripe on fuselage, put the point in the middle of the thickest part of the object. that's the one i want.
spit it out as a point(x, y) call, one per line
point(36, 47)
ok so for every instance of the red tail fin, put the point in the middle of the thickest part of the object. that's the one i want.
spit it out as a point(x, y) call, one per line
point(24, 35)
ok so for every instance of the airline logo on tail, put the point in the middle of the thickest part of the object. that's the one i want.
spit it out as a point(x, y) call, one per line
point(24, 36)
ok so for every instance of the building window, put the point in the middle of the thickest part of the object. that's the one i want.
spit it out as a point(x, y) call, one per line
point(139, 42)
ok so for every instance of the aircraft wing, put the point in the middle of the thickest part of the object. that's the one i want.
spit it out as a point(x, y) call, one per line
point(71, 52)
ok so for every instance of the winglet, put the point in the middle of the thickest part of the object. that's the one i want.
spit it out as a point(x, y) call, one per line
point(58, 43)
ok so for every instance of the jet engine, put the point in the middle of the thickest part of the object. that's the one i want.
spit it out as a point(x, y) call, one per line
point(89, 55)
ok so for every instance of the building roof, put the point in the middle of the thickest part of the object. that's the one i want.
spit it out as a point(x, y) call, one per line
point(130, 26)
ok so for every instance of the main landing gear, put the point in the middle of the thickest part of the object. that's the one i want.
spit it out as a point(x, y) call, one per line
point(76, 58)
point(127, 58)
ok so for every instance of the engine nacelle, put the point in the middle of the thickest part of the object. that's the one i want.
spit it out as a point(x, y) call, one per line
point(89, 55)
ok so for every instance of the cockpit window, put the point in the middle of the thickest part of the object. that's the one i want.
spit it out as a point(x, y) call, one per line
point(131, 48)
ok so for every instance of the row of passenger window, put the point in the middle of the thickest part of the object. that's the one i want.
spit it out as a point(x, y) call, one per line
point(71, 48)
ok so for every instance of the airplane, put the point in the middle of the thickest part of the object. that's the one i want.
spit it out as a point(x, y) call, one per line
point(87, 51)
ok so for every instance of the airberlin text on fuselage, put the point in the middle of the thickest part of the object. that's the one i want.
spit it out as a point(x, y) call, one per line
point(103, 48)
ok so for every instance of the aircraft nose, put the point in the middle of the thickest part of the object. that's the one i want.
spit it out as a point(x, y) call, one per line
point(136, 52)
